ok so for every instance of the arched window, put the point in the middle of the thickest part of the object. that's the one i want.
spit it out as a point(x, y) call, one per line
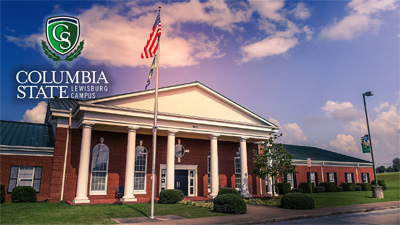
point(238, 180)
point(100, 158)
point(140, 169)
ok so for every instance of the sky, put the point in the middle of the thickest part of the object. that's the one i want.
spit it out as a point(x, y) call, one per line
point(302, 65)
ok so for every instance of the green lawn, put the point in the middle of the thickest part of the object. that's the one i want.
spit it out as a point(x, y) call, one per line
point(61, 213)
point(329, 199)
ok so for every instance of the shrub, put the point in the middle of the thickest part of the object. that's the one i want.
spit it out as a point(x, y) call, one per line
point(229, 203)
point(23, 194)
point(306, 187)
point(339, 189)
point(319, 189)
point(170, 196)
point(348, 186)
point(380, 183)
point(329, 186)
point(224, 191)
point(365, 186)
point(2, 194)
point(283, 188)
point(358, 188)
point(297, 201)
point(299, 190)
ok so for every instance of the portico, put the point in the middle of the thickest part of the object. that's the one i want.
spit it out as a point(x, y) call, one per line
point(191, 113)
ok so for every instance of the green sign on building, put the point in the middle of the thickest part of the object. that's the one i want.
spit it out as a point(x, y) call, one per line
point(365, 144)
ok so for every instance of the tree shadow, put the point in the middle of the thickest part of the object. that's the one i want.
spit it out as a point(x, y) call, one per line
point(139, 211)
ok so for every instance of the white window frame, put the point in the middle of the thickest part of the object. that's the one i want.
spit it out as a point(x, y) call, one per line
point(100, 192)
point(237, 174)
point(312, 178)
point(366, 177)
point(291, 180)
point(349, 178)
point(188, 168)
point(19, 178)
point(331, 175)
point(145, 173)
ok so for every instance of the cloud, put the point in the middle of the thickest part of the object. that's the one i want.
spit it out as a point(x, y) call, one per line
point(385, 132)
point(31, 41)
point(363, 17)
point(114, 37)
point(382, 106)
point(345, 143)
point(301, 11)
point(282, 34)
point(268, 8)
point(293, 134)
point(37, 114)
point(268, 47)
point(344, 111)
point(116, 34)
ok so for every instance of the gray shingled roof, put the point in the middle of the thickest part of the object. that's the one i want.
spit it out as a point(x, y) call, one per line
point(25, 134)
point(304, 152)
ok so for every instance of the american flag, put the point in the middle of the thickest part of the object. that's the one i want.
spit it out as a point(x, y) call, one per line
point(151, 47)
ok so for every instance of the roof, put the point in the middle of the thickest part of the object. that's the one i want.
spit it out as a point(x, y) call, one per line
point(25, 134)
point(318, 154)
point(195, 83)
point(63, 103)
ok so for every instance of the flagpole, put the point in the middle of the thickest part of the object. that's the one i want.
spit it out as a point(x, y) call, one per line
point(153, 166)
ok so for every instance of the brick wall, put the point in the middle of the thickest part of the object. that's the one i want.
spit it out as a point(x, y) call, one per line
point(18, 160)
point(117, 143)
point(301, 176)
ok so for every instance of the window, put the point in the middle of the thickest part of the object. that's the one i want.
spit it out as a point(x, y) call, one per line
point(140, 169)
point(313, 178)
point(365, 177)
point(209, 171)
point(25, 176)
point(331, 177)
point(98, 184)
point(349, 177)
point(290, 179)
point(238, 180)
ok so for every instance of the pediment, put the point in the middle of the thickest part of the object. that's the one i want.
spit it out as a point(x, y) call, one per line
point(194, 100)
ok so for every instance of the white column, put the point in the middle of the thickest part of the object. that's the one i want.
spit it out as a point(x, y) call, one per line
point(243, 168)
point(214, 166)
point(83, 173)
point(130, 166)
point(171, 159)
point(269, 185)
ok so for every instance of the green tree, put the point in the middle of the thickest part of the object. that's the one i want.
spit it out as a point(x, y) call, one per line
point(274, 161)
point(396, 165)
point(381, 169)
point(389, 169)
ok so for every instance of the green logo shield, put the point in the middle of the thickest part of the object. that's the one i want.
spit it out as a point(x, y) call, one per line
point(62, 33)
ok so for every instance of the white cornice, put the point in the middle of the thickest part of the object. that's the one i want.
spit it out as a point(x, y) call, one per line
point(26, 150)
point(299, 162)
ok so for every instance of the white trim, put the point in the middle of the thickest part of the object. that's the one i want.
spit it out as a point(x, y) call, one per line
point(299, 162)
point(207, 89)
point(26, 150)
point(101, 192)
point(141, 192)
point(183, 167)
point(32, 177)
point(116, 110)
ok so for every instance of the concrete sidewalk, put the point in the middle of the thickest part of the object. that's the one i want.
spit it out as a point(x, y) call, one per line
point(263, 214)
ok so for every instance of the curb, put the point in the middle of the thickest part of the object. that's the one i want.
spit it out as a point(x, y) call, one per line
point(325, 214)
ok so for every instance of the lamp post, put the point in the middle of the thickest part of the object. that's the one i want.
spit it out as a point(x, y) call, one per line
point(370, 93)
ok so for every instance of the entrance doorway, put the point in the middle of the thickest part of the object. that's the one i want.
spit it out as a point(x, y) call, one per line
point(185, 179)
point(181, 181)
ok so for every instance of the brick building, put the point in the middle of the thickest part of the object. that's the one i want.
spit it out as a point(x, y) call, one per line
point(205, 142)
